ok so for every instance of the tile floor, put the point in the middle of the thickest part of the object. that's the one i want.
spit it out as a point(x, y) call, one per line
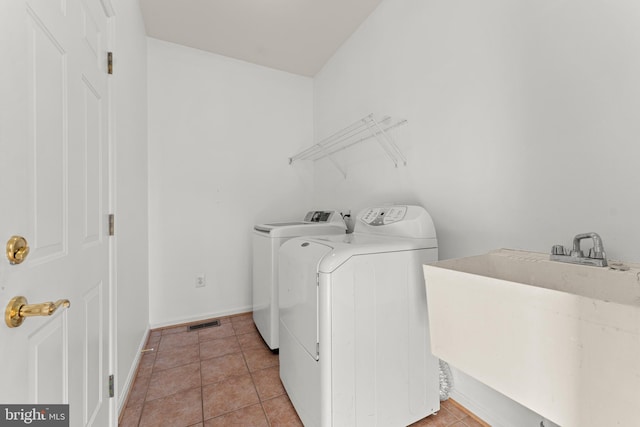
point(224, 376)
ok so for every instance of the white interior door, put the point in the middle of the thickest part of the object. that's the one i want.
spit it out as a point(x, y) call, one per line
point(54, 185)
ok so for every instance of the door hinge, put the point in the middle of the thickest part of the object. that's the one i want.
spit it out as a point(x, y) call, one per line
point(318, 279)
point(110, 62)
point(111, 386)
point(317, 349)
point(112, 226)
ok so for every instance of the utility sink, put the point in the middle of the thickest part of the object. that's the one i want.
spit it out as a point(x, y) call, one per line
point(561, 339)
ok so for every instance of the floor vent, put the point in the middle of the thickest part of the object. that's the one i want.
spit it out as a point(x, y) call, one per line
point(204, 325)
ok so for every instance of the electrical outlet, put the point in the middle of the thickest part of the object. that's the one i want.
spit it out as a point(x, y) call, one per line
point(201, 281)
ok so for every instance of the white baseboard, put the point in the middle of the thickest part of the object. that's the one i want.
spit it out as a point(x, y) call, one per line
point(189, 319)
point(485, 414)
point(122, 400)
point(491, 406)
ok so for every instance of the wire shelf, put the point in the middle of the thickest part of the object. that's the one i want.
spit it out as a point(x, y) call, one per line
point(362, 130)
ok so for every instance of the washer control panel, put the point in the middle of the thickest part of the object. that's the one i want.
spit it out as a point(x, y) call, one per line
point(384, 216)
point(319, 216)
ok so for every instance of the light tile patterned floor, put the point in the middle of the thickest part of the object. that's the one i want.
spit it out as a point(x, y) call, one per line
point(224, 376)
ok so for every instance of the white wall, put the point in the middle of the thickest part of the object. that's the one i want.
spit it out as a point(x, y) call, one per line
point(130, 162)
point(522, 128)
point(220, 133)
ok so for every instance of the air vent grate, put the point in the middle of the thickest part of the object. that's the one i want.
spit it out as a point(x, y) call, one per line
point(204, 325)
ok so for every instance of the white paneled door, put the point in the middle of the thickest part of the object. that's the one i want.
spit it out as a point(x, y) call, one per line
point(54, 189)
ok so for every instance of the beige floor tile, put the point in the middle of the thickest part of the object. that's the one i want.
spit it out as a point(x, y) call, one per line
point(171, 341)
point(181, 409)
point(131, 416)
point(219, 368)
point(268, 382)
point(169, 381)
point(215, 332)
point(251, 340)
point(443, 418)
point(154, 339)
point(147, 362)
point(178, 356)
point(219, 347)
point(251, 416)
point(228, 395)
point(281, 413)
point(243, 325)
point(138, 391)
point(260, 358)
point(455, 411)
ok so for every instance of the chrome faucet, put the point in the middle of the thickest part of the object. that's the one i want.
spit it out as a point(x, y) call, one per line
point(596, 256)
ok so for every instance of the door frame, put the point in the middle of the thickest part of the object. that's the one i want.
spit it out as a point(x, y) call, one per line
point(110, 38)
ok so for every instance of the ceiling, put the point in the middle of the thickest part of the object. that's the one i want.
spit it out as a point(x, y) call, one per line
point(297, 36)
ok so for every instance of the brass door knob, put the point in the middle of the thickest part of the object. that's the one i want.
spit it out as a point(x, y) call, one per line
point(18, 309)
point(17, 249)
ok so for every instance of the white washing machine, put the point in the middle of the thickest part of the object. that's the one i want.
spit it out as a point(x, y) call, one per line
point(267, 239)
point(354, 332)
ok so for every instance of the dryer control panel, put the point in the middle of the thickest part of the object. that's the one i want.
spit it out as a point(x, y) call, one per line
point(384, 216)
point(396, 220)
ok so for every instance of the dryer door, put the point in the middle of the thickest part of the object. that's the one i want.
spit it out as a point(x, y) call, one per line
point(298, 284)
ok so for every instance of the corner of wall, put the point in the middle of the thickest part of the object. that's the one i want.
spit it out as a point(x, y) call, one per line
point(130, 190)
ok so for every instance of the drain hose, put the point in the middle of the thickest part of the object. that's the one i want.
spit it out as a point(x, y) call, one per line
point(446, 380)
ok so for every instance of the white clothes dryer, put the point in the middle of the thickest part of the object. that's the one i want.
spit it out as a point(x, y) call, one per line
point(267, 239)
point(354, 332)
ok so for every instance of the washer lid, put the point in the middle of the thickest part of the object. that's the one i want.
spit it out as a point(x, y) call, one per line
point(315, 222)
point(299, 229)
point(268, 227)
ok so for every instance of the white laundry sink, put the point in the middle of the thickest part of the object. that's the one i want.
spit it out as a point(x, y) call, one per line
point(561, 339)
